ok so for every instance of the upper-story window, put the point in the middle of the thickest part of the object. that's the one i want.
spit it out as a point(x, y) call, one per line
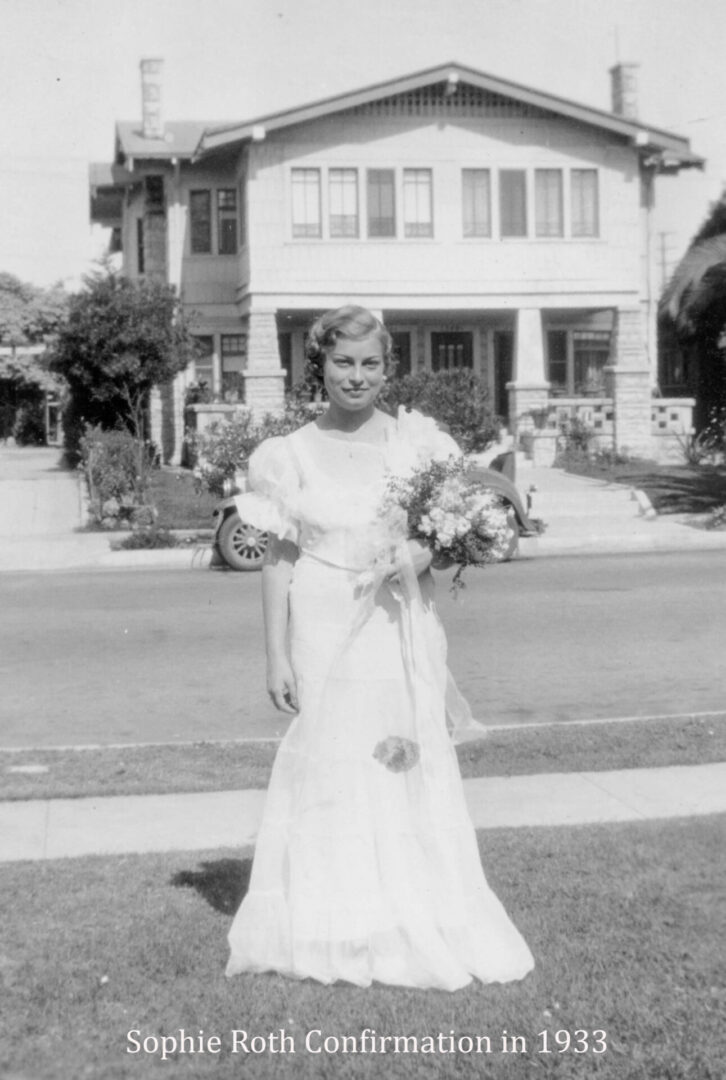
point(381, 202)
point(476, 202)
point(227, 221)
point(418, 216)
point(548, 209)
point(306, 216)
point(213, 219)
point(512, 202)
point(200, 213)
point(343, 202)
point(584, 202)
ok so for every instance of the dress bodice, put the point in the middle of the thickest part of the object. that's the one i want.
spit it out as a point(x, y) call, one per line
point(323, 491)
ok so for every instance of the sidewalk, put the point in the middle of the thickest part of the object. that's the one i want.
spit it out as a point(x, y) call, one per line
point(69, 828)
point(41, 513)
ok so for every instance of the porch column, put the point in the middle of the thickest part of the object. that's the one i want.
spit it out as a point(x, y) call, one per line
point(264, 377)
point(529, 389)
point(629, 385)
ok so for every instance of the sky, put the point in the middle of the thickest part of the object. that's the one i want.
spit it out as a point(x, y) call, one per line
point(69, 69)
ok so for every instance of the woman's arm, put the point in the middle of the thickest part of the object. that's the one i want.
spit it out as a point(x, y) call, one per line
point(277, 569)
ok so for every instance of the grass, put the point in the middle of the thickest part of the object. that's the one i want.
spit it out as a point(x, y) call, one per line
point(672, 489)
point(179, 505)
point(230, 766)
point(625, 923)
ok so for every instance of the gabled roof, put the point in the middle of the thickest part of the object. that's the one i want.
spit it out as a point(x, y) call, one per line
point(643, 135)
point(181, 139)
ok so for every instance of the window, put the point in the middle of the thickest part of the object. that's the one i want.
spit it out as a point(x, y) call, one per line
point(584, 200)
point(204, 361)
point(417, 203)
point(140, 248)
point(227, 221)
point(548, 216)
point(591, 354)
point(306, 203)
point(512, 202)
point(381, 203)
point(200, 210)
point(476, 202)
point(343, 200)
point(452, 351)
point(234, 359)
point(557, 361)
point(243, 209)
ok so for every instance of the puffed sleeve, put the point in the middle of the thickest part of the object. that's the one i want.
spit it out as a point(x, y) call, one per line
point(432, 444)
point(273, 485)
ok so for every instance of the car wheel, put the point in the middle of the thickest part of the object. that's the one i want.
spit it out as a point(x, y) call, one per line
point(242, 546)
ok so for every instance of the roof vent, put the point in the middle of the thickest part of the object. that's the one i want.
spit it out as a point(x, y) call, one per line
point(152, 126)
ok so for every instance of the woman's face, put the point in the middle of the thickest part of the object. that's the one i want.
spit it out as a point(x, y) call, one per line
point(354, 372)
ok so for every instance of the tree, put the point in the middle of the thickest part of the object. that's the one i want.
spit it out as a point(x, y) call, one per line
point(28, 318)
point(120, 339)
point(28, 314)
point(694, 306)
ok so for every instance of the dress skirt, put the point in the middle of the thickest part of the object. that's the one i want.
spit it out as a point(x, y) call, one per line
point(366, 866)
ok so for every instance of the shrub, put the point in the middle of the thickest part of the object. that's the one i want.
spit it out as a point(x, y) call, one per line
point(115, 465)
point(458, 400)
point(29, 424)
point(225, 447)
point(147, 539)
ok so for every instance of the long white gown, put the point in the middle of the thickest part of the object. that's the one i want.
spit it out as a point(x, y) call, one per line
point(364, 870)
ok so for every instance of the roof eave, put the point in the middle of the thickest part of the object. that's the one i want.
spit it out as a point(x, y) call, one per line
point(216, 138)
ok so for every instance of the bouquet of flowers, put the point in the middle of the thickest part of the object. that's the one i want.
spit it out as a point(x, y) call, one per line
point(461, 520)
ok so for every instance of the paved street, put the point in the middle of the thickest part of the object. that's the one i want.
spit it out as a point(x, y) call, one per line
point(144, 656)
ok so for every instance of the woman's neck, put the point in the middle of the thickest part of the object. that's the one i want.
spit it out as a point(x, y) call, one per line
point(346, 420)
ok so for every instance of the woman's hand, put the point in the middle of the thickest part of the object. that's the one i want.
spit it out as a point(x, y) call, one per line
point(419, 557)
point(281, 685)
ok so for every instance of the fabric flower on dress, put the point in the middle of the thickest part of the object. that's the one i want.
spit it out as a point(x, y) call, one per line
point(397, 754)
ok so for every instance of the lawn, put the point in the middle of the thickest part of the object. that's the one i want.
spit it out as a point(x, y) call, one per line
point(230, 766)
point(672, 489)
point(625, 922)
point(179, 504)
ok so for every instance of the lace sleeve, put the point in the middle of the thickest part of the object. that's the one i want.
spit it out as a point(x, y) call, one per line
point(273, 486)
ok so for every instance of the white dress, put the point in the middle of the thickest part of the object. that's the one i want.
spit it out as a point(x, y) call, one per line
point(365, 869)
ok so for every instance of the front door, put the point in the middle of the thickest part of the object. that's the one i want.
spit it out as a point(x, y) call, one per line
point(452, 351)
point(503, 357)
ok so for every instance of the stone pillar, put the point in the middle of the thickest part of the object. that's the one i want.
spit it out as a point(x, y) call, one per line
point(629, 385)
point(264, 377)
point(529, 389)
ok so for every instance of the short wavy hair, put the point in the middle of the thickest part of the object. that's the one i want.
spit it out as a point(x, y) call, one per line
point(350, 321)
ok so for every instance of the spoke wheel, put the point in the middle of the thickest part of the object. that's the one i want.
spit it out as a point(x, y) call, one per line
point(242, 546)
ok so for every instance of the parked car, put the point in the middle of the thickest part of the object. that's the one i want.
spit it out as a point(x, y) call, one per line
point(242, 547)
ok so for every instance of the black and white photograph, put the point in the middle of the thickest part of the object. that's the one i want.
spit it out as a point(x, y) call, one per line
point(362, 539)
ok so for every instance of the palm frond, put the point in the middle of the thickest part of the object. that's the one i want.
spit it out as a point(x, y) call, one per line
point(681, 292)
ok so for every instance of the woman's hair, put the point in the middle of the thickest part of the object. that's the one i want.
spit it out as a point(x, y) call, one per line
point(350, 321)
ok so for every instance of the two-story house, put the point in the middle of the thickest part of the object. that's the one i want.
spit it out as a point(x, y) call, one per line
point(493, 226)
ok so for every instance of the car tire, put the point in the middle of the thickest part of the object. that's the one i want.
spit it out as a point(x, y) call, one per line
point(242, 546)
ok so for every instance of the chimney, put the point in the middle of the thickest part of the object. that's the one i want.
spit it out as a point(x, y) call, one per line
point(153, 127)
point(624, 89)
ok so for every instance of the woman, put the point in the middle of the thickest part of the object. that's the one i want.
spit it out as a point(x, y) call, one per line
point(366, 866)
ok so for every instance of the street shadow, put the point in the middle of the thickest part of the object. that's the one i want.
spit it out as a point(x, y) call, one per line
point(223, 883)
